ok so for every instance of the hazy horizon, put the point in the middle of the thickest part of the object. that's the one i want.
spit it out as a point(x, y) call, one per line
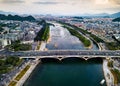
point(60, 7)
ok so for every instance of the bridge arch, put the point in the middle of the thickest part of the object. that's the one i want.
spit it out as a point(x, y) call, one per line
point(81, 57)
point(71, 57)
point(46, 57)
point(96, 57)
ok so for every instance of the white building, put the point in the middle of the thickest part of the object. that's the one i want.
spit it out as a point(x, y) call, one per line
point(4, 42)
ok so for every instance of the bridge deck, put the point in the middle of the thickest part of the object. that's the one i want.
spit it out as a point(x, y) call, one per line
point(62, 53)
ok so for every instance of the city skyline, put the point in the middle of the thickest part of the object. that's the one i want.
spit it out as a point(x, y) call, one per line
point(60, 7)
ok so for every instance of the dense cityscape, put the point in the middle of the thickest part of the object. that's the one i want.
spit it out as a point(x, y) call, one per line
point(33, 35)
point(61, 47)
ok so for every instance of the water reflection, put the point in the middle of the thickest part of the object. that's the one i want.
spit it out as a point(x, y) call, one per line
point(62, 39)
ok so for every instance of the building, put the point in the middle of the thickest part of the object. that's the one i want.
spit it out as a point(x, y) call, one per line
point(4, 42)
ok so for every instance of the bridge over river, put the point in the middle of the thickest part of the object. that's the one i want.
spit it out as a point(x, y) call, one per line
point(61, 54)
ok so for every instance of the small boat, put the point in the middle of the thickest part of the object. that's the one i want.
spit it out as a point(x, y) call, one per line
point(102, 82)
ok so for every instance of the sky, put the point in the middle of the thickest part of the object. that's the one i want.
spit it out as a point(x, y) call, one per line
point(60, 7)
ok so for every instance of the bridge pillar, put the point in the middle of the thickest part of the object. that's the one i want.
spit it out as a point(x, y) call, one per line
point(108, 58)
point(86, 58)
point(37, 58)
point(60, 58)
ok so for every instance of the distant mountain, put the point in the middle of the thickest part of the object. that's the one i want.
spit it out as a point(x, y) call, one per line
point(7, 13)
point(95, 15)
point(115, 15)
point(102, 14)
point(16, 17)
point(105, 15)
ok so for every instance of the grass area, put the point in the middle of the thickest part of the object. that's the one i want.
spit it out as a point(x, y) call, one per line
point(116, 75)
point(21, 74)
point(84, 40)
point(13, 83)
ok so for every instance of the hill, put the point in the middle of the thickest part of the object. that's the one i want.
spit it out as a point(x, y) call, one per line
point(16, 17)
point(102, 15)
point(7, 13)
point(116, 19)
point(115, 15)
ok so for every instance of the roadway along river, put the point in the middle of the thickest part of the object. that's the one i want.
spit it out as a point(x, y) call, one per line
point(68, 72)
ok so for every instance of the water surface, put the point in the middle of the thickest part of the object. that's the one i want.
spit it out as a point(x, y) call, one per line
point(70, 71)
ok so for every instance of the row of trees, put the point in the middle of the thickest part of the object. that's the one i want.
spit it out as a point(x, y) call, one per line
point(43, 34)
point(116, 19)
point(113, 45)
point(1, 27)
point(17, 46)
point(97, 39)
point(110, 45)
point(115, 72)
point(7, 64)
point(85, 41)
point(16, 17)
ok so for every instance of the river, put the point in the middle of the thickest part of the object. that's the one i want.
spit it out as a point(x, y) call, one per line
point(70, 71)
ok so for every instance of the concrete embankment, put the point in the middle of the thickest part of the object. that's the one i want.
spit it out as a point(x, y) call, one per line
point(42, 46)
point(27, 74)
point(32, 66)
point(108, 75)
point(13, 79)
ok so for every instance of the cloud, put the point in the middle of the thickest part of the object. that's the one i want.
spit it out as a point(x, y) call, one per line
point(48, 2)
point(113, 8)
point(117, 2)
point(12, 1)
point(66, 7)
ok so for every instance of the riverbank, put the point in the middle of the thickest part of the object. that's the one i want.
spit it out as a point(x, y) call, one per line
point(87, 43)
point(13, 81)
point(107, 73)
point(33, 65)
point(27, 74)
point(43, 34)
point(41, 47)
point(74, 71)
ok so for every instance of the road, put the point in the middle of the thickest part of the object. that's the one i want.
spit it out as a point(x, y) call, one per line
point(62, 53)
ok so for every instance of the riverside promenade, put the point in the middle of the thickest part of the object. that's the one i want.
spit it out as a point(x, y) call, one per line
point(13, 79)
point(33, 65)
point(107, 73)
point(27, 74)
